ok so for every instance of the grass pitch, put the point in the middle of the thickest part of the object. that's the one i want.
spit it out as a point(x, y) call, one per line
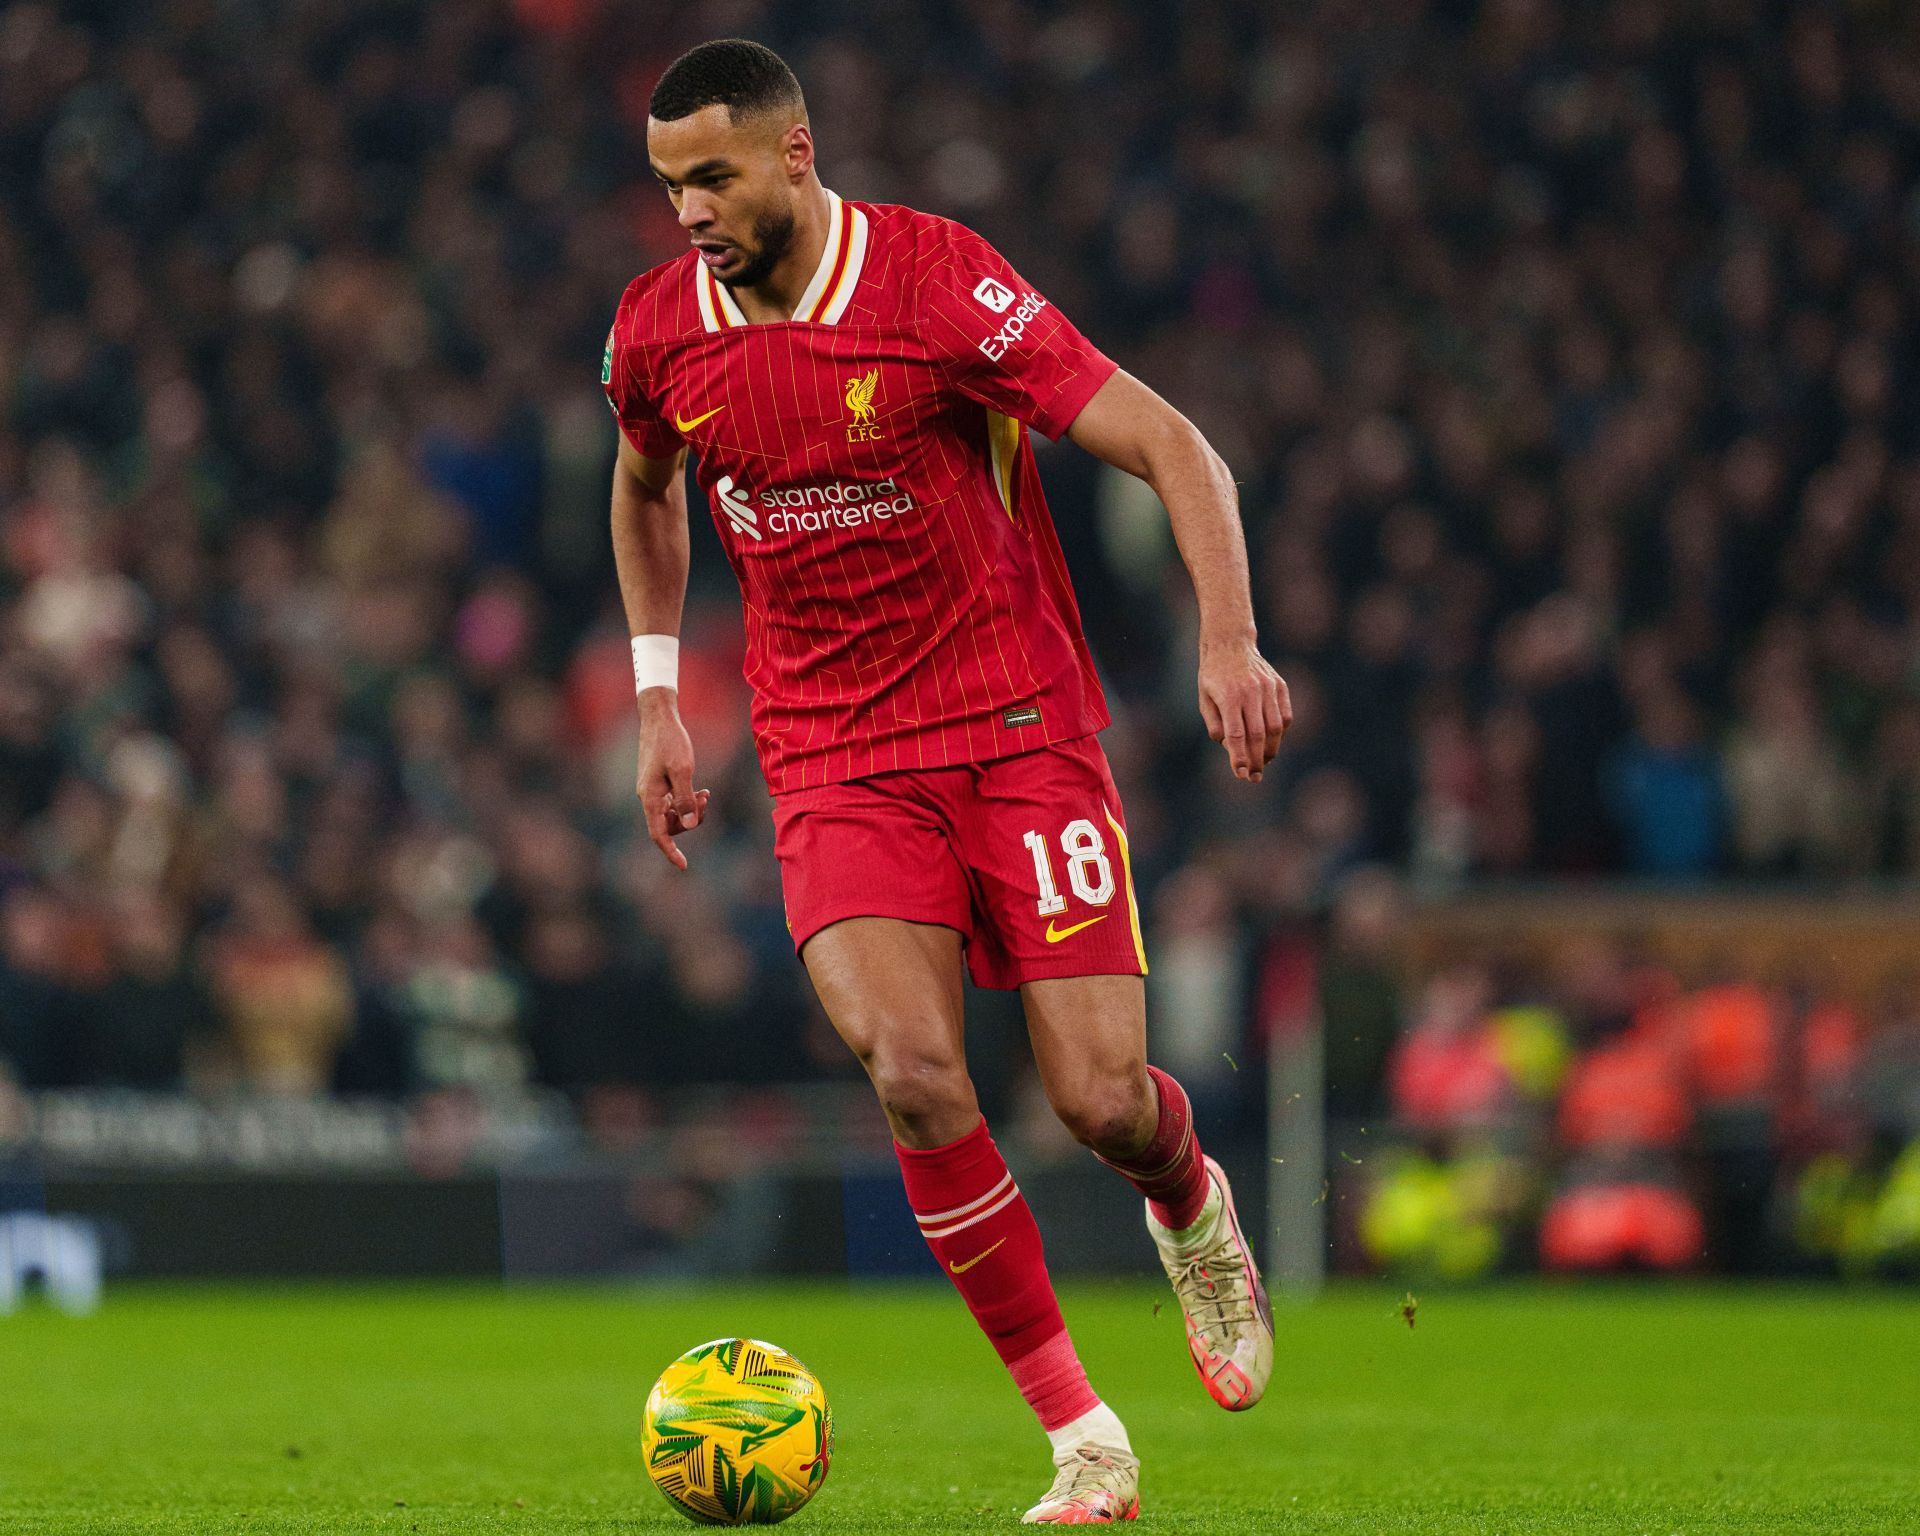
point(477, 1410)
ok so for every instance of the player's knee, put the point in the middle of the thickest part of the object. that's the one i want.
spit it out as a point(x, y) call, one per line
point(919, 1088)
point(1112, 1114)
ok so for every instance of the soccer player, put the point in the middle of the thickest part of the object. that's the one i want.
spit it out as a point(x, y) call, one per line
point(856, 383)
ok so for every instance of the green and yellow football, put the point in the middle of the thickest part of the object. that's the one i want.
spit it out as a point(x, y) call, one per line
point(738, 1432)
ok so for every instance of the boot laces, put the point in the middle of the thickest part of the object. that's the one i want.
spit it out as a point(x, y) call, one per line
point(1090, 1471)
point(1214, 1287)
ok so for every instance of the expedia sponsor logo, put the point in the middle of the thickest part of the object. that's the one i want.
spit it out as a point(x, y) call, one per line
point(1015, 326)
point(993, 293)
point(841, 504)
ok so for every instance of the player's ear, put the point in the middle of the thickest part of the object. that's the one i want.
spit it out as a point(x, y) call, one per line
point(798, 149)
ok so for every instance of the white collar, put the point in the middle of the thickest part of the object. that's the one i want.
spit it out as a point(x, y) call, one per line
point(827, 295)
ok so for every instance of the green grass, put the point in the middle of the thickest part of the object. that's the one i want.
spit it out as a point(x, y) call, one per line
point(478, 1410)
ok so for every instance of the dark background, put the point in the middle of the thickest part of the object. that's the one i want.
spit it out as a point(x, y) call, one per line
point(1565, 355)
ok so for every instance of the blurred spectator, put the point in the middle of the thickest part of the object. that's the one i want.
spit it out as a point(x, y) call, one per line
point(1451, 1220)
point(462, 1008)
point(1446, 1073)
point(285, 997)
point(1890, 1063)
point(140, 1024)
point(1791, 793)
point(1666, 791)
point(1730, 1034)
point(1360, 987)
point(34, 1011)
point(1195, 988)
point(589, 1019)
point(1890, 820)
point(1628, 1094)
point(1621, 1224)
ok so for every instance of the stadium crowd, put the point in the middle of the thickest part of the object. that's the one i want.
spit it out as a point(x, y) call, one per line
point(1564, 354)
point(1597, 1108)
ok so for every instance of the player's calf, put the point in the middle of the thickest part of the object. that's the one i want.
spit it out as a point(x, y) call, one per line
point(1168, 1169)
point(982, 1233)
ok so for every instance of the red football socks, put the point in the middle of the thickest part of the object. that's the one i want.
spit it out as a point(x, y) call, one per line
point(1169, 1170)
point(981, 1231)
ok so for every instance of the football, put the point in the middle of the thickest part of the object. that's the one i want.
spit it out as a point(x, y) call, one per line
point(737, 1432)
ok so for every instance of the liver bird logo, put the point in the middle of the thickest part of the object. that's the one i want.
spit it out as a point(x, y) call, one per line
point(860, 393)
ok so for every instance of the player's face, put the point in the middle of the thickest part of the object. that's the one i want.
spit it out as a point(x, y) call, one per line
point(733, 185)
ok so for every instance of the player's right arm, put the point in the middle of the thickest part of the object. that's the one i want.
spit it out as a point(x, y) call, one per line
point(650, 554)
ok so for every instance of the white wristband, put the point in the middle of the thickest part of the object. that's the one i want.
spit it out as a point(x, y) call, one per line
point(656, 662)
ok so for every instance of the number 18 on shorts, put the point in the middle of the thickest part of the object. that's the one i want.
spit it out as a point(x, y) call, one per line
point(1025, 856)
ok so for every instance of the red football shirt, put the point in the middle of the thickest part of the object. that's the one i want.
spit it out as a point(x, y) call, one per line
point(868, 469)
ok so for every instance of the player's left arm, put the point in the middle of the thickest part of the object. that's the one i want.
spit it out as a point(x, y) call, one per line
point(1004, 345)
point(1242, 699)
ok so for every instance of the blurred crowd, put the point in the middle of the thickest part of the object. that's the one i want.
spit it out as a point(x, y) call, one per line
point(1564, 354)
point(1599, 1110)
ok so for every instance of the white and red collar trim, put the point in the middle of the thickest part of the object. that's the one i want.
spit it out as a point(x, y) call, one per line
point(827, 296)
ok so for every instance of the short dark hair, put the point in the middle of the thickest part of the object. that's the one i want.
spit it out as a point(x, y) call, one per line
point(742, 76)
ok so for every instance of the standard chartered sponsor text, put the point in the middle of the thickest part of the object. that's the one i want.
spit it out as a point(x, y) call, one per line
point(840, 504)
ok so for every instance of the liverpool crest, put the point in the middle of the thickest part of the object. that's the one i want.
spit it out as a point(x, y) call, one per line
point(860, 397)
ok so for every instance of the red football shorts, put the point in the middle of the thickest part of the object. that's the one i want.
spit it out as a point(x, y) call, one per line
point(1026, 856)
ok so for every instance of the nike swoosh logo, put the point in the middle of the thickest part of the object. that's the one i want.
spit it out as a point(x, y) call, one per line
point(1054, 936)
point(961, 1269)
point(687, 426)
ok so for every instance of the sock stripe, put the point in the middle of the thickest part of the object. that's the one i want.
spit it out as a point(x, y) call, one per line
point(1169, 1170)
point(967, 1206)
point(934, 1218)
point(999, 1205)
point(1151, 1174)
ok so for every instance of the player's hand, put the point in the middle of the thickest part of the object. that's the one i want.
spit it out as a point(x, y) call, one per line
point(665, 786)
point(1244, 703)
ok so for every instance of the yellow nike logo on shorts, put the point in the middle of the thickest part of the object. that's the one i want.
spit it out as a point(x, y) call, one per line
point(1054, 937)
point(961, 1269)
point(680, 425)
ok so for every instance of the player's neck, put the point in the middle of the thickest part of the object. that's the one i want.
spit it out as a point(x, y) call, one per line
point(778, 297)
